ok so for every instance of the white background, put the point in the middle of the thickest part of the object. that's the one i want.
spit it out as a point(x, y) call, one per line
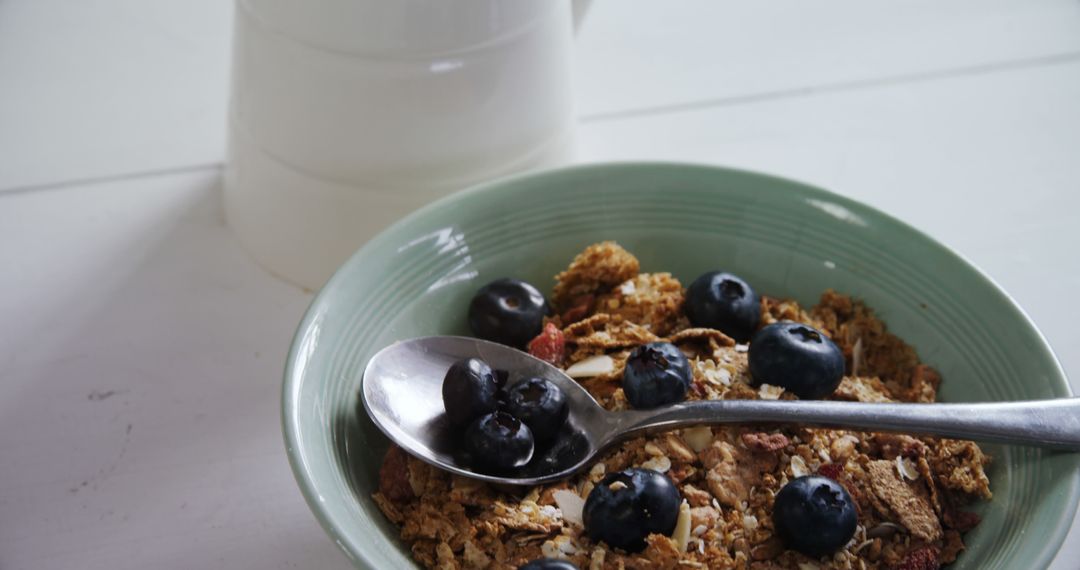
point(141, 350)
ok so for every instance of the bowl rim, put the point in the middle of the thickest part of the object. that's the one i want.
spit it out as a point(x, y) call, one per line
point(294, 370)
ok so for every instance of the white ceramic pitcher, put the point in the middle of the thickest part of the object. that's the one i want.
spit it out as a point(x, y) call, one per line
point(347, 114)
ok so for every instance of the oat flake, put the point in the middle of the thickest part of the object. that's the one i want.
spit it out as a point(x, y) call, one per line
point(658, 463)
point(798, 466)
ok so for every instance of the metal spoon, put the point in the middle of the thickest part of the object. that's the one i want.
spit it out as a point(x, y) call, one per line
point(402, 393)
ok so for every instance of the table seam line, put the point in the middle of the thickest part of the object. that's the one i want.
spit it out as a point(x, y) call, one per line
point(109, 178)
point(657, 110)
point(837, 87)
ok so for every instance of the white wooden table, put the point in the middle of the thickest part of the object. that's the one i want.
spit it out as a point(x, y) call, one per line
point(141, 349)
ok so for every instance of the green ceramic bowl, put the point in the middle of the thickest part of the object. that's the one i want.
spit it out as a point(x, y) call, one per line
point(786, 238)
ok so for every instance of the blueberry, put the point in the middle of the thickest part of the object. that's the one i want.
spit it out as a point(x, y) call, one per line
point(499, 441)
point(814, 515)
point(656, 374)
point(548, 564)
point(724, 302)
point(540, 404)
point(797, 357)
point(627, 506)
point(508, 311)
point(469, 390)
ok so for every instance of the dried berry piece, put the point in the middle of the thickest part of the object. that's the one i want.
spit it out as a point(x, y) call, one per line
point(549, 345)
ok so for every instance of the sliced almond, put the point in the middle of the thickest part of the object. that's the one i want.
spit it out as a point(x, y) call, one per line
point(770, 392)
point(857, 357)
point(884, 530)
point(593, 366)
point(906, 468)
point(681, 535)
point(698, 438)
point(572, 506)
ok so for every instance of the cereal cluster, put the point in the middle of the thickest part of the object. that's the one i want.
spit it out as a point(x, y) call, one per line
point(911, 492)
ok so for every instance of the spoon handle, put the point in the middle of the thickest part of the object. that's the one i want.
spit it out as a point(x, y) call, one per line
point(1043, 423)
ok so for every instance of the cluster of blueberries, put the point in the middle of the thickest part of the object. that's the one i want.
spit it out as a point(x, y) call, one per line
point(503, 426)
point(812, 514)
point(794, 356)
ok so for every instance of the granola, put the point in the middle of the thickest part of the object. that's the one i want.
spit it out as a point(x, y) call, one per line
point(910, 492)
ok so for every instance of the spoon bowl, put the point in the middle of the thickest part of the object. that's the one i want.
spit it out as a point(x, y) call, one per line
point(402, 393)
